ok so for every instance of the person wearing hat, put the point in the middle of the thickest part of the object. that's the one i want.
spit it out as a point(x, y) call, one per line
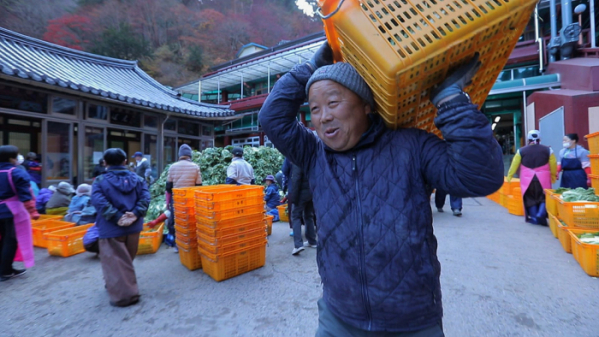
point(574, 163)
point(43, 197)
point(183, 173)
point(80, 201)
point(142, 167)
point(60, 200)
point(538, 170)
point(302, 211)
point(271, 197)
point(371, 190)
point(240, 172)
point(34, 168)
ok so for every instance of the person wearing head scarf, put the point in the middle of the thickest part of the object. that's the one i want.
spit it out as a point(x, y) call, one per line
point(60, 200)
point(538, 169)
point(43, 197)
point(78, 203)
point(33, 167)
point(574, 163)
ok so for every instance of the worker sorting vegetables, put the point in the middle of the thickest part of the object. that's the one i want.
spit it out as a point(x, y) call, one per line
point(538, 169)
point(377, 254)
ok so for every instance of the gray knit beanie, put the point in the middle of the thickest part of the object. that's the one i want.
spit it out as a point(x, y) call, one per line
point(184, 151)
point(346, 75)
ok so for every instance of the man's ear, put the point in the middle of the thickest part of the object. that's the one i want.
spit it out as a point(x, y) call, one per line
point(367, 108)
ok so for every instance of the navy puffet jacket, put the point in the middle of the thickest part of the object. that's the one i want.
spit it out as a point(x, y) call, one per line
point(377, 254)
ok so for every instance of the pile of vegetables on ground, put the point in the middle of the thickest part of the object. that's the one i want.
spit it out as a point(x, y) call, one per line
point(213, 164)
point(578, 194)
point(591, 238)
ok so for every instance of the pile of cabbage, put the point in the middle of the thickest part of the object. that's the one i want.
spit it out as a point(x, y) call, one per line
point(591, 238)
point(578, 194)
point(213, 163)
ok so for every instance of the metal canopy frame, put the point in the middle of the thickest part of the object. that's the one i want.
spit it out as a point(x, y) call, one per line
point(252, 70)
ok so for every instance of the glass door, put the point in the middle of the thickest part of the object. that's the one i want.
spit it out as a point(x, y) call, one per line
point(59, 159)
point(93, 152)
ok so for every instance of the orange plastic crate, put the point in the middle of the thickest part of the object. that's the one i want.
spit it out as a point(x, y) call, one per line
point(553, 221)
point(503, 199)
point(402, 49)
point(233, 263)
point(221, 232)
point(230, 204)
point(66, 242)
point(184, 217)
point(593, 140)
point(183, 201)
point(269, 219)
point(184, 192)
point(219, 193)
point(187, 238)
point(595, 182)
point(563, 235)
point(234, 244)
point(586, 254)
point(46, 217)
point(180, 209)
point(551, 202)
point(282, 213)
point(46, 226)
point(234, 222)
point(594, 159)
point(149, 241)
point(188, 244)
point(259, 232)
point(515, 205)
point(185, 229)
point(229, 214)
point(579, 214)
point(190, 258)
point(509, 187)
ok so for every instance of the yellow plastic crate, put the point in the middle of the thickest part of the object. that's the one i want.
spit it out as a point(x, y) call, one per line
point(593, 140)
point(190, 257)
point(553, 221)
point(149, 241)
point(515, 205)
point(219, 193)
point(579, 214)
point(594, 159)
point(595, 182)
point(563, 235)
point(586, 254)
point(233, 263)
point(551, 202)
point(47, 226)
point(269, 219)
point(403, 48)
point(282, 213)
point(66, 242)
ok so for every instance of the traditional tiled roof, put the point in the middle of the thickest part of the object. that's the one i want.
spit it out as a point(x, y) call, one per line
point(108, 78)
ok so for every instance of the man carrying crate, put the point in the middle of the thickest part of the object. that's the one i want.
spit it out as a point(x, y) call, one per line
point(377, 254)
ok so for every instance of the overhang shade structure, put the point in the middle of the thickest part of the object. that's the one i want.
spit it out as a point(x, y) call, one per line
point(263, 65)
point(524, 84)
point(43, 64)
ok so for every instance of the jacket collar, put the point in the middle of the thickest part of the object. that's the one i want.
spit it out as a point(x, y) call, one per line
point(377, 127)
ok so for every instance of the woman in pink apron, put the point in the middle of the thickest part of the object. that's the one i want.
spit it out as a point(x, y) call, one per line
point(538, 168)
point(17, 205)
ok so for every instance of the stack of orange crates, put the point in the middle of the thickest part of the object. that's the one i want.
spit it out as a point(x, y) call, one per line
point(185, 227)
point(593, 140)
point(231, 229)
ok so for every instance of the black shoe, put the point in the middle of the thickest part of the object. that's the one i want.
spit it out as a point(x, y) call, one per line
point(15, 273)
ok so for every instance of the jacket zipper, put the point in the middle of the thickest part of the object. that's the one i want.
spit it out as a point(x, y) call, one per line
point(362, 257)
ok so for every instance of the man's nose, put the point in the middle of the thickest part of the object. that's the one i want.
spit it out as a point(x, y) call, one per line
point(326, 116)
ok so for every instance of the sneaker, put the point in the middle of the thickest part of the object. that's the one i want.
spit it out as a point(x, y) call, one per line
point(291, 234)
point(175, 249)
point(457, 212)
point(307, 244)
point(15, 273)
point(297, 250)
point(440, 210)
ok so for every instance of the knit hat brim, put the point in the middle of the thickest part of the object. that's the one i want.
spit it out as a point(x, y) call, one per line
point(346, 75)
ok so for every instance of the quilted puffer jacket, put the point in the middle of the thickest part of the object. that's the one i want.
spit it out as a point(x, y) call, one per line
point(377, 254)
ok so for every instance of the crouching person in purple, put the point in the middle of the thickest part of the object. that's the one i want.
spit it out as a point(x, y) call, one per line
point(377, 253)
point(121, 199)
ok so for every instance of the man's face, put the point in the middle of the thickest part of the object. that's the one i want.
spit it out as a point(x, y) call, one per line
point(339, 116)
point(138, 158)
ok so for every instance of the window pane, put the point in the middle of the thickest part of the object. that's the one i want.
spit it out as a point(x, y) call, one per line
point(64, 106)
point(193, 143)
point(150, 153)
point(21, 99)
point(207, 143)
point(58, 166)
point(93, 151)
point(170, 124)
point(187, 128)
point(207, 130)
point(129, 141)
point(97, 111)
point(170, 149)
point(125, 117)
point(150, 121)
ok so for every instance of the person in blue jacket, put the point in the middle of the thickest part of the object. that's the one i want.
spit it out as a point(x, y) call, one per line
point(271, 197)
point(371, 187)
point(121, 199)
